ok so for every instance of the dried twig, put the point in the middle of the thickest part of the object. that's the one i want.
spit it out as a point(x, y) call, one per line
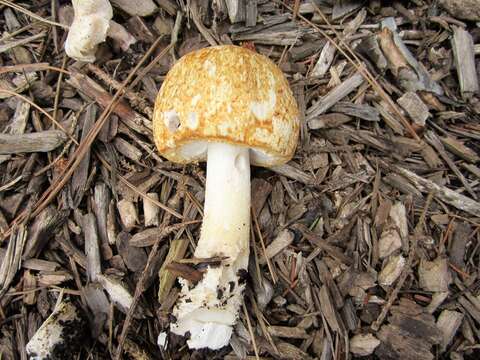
point(31, 14)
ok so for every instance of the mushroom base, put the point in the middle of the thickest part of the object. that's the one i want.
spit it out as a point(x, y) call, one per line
point(209, 309)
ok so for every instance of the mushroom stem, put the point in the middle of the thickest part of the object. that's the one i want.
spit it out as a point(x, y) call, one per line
point(226, 220)
point(209, 309)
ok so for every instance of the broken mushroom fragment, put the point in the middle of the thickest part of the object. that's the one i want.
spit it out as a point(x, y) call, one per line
point(232, 107)
point(89, 28)
point(59, 336)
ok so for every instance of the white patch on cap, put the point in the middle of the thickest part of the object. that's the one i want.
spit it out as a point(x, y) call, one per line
point(210, 67)
point(192, 120)
point(283, 129)
point(262, 135)
point(263, 110)
point(195, 100)
point(171, 120)
point(224, 128)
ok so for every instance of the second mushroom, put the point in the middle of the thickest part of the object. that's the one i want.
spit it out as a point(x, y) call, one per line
point(232, 107)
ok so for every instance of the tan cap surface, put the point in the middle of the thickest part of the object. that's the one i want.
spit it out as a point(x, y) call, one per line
point(226, 94)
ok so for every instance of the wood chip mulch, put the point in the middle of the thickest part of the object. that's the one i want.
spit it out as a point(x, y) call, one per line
point(366, 244)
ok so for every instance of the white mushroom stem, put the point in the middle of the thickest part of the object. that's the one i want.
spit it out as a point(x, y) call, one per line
point(226, 220)
point(209, 309)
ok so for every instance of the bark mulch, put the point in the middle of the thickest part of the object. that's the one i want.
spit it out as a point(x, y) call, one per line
point(366, 244)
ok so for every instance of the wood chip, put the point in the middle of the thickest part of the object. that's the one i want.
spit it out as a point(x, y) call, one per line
point(92, 248)
point(128, 214)
point(328, 310)
point(150, 211)
point(117, 292)
point(291, 352)
point(95, 92)
point(410, 334)
point(325, 60)
point(415, 107)
point(120, 36)
point(331, 120)
point(134, 257)
point(437, 299)
point(288, 332)
point(251, 13)
point(101, 200)
point(458, 148)
point(284, 239)
point(29, 285)
point(98, 303)
point(434, 275)
point(389, 242)
point(163, 25)
point(445, 194)
point(337, 94)
point(167, 278)
point(412, 75)
point(392, 270)
point(398, 214)
point(43, 141)
point(53, 278)
point(140, 29)
point(295, 173)
point(42, 230)
point(448, 322)
point(127, 149)
point(458, 245)
point(360, 111)
point(236, 10)
point(169, 6)
point(40, 265)
point(136, 7)
point(462, 9)
point(185, 271)
point(463, 53)
point(363, 344)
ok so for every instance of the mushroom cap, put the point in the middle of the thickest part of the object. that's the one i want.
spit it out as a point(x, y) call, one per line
point(226, 94)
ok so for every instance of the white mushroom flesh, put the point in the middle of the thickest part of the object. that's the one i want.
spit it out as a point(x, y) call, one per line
point(89, 28)
point(59, 335)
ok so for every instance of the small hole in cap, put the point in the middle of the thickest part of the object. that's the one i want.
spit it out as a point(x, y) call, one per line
point(172, 121)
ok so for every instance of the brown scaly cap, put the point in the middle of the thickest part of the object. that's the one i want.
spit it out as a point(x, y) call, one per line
point(226, 94)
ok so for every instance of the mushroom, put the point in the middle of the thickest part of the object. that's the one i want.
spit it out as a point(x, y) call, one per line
point(59, 335)
point(89, 28)
point(233, 107)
